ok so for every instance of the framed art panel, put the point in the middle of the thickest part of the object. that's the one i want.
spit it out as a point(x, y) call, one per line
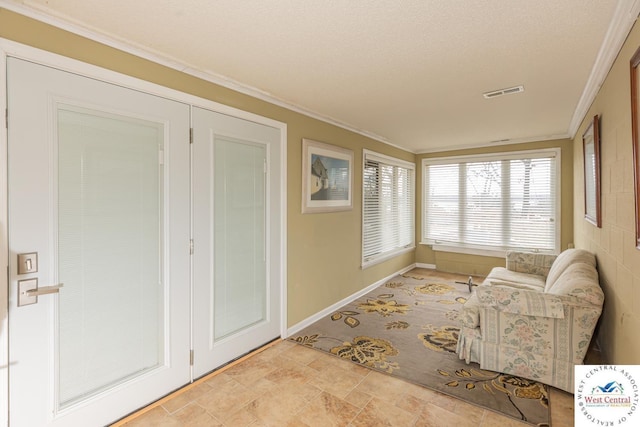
point(591, 151)
point(635, 128)
point(327, 175)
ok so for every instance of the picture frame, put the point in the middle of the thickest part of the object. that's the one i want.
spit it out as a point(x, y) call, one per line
point(327, 177)
point(591, 155)
point(635, 135)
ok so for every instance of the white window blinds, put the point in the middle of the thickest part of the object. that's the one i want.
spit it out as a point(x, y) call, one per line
point(497, 202)
point(388, 207)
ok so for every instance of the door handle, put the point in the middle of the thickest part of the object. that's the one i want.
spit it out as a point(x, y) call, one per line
point(28, 291)
point(44, 290)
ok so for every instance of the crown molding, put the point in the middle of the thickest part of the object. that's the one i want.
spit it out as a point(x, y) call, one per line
point(624, 17)
point(513, 141)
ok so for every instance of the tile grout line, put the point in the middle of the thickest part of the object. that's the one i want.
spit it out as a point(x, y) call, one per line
point(187, 387)
point(366, 404)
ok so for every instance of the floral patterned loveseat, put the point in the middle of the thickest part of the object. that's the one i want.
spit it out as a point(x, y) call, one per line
point(534, 318)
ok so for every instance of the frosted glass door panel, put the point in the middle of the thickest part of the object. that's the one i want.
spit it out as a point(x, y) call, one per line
point(238, 236)
point(240, 279)
point(110, 244)
point(99, 184)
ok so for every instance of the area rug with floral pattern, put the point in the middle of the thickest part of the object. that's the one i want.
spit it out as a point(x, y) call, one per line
point(408, 328)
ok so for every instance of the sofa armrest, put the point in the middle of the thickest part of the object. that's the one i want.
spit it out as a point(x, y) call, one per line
point(520, 301)
point(515, 301)
point(469, 315)
point(530, 263)
point(564, 338)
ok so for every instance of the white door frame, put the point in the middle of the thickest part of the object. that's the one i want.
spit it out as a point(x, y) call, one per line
point(18, 50)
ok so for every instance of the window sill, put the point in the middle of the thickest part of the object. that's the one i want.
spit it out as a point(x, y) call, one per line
point(467, 250)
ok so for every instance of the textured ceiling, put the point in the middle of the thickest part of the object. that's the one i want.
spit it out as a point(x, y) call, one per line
point(410, 72)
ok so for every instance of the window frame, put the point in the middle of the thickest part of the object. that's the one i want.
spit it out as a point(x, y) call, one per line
point(489, 157)
point(369, 155)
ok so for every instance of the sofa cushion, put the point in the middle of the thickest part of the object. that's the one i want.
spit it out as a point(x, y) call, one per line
point(500, 276)
point(579, 280)
point(564, 260)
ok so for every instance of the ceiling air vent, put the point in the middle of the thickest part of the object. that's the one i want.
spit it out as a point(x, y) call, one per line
point(507, 91)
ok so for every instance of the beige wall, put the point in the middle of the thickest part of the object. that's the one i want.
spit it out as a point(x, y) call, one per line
point(614, 243)
point(323, 249)
point(481, 265)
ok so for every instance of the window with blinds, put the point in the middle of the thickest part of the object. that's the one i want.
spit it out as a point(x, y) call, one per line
point(388, 206)
point(497, 202)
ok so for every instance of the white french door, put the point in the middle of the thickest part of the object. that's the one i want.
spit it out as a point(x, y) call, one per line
point(237, 233)
point(99, 227)
point(105, 199)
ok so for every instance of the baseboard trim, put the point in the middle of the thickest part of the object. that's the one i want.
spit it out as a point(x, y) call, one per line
point(429, 266)
point(327, 311)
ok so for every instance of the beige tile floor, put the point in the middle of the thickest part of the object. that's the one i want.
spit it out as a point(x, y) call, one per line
point(286, 384)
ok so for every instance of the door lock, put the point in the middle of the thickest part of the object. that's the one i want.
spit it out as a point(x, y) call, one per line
point(28, 263)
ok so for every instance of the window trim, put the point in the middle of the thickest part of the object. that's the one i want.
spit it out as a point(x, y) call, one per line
point(470, 249)
point(391, 161)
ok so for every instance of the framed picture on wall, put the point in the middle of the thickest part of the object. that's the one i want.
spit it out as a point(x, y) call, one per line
point(591, 151)
point(327, 175)
point(635, 129)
